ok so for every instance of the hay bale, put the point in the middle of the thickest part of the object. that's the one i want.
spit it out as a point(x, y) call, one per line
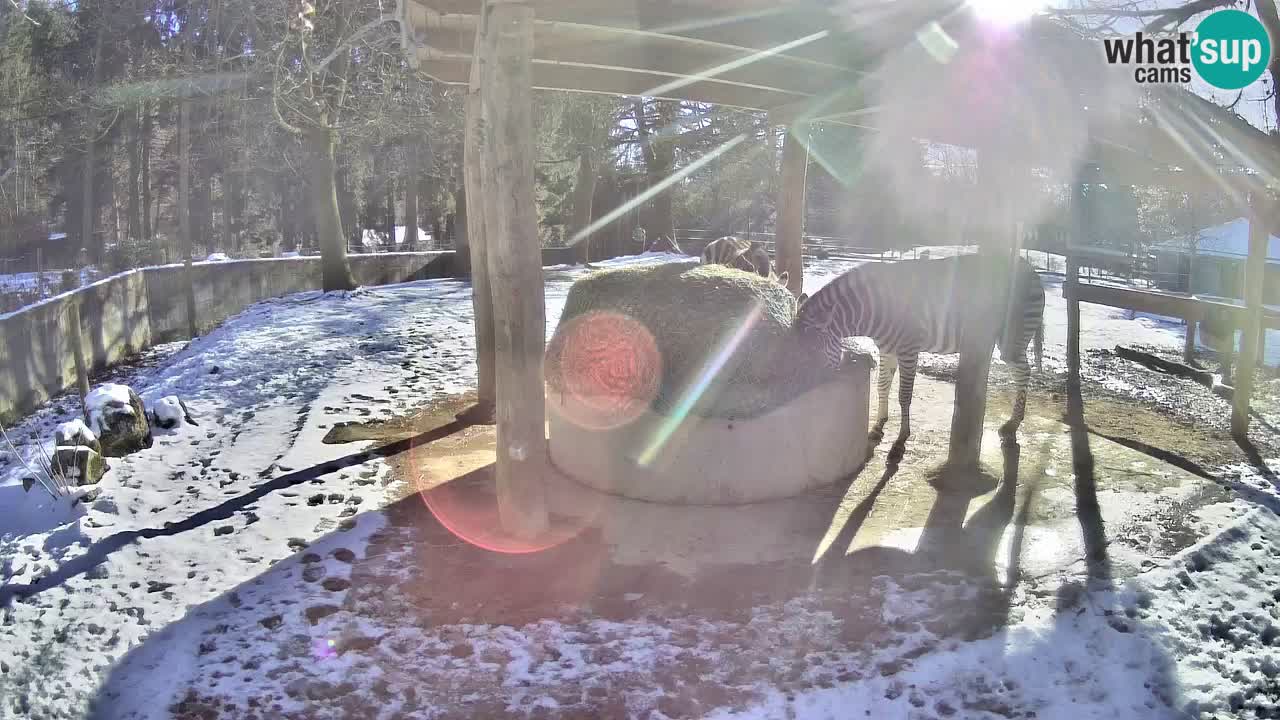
point(722, 339)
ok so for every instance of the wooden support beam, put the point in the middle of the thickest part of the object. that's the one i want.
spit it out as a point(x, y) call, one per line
point(789, 239)
point(574, 45)
point(619, 81)
point(473, 256)
point(1071, 289)
point(754, 24)
point(515, 264)
point(984, 315)
point(1255, 272)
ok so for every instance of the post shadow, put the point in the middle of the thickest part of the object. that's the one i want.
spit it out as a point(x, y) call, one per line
point(951, 541)
point(1088, 511)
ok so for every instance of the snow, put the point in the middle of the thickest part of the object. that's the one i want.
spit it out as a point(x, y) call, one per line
point(1175, 635)
point(106, 399)
point(50, 280)
point(148, 582)
point(370, 238)
point(216, 257)
point(74, 432)
point(169, 411)
point(1230, 239)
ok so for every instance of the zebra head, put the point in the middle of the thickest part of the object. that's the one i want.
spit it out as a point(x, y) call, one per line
point(815, 338)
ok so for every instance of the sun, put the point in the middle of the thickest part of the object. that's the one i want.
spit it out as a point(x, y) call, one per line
point(1005, 12)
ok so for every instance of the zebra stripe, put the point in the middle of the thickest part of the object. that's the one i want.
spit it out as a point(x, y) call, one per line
point(916, 306)
point(746, 256)
point(738, 253)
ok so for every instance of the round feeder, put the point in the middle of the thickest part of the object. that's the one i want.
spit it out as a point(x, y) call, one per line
point(680, 383)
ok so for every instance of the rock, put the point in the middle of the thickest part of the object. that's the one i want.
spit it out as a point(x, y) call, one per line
point(75, 434)
point(119, 419)
point(169, 412)
point(28, 483)
point(316, 613)
point(79, 465)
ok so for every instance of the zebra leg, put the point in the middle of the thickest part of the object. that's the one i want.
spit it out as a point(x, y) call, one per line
point(906, 384)
point(888, 367)
point(1021, 378)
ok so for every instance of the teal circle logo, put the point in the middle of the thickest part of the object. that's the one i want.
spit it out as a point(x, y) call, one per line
point(1231, 49)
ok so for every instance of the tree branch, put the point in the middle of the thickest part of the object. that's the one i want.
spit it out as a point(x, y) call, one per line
point(27, 17)
point(346, 45)
point(1163, 16)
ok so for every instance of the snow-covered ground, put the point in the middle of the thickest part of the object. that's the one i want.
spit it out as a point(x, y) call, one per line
point(251, 509)
point(31, 281)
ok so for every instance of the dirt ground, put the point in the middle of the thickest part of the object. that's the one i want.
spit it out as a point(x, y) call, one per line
point(709, 599)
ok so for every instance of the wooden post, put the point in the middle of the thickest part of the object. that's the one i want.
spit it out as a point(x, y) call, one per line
point(1072, 281)
point(515, 264)
point(984, 315)
point(789, 234)
point(1189, 341)
point(1254, 275)
point(75, 333)
point(40, 269)
point(473, 255)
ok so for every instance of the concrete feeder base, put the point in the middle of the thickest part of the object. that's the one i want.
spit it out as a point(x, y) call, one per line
point(814, 440)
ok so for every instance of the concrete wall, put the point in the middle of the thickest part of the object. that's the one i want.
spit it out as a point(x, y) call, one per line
point(36, 359)
point(127, 313)
point(715, 461)
point(225, 288)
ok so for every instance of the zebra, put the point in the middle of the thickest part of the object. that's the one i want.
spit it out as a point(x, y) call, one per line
point(915, 306)
point(738, 253)
point(664, 243)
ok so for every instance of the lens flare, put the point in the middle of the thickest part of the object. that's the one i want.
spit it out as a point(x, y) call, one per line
point(1005, 13)
point(468, 508)
point(603, 370)
point(716, 361)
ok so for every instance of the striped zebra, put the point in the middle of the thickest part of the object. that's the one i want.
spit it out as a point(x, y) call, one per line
point(743, 255)
point(664, 244)
point(916, 306)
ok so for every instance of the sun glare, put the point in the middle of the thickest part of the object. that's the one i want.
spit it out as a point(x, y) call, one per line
point(1005, 12)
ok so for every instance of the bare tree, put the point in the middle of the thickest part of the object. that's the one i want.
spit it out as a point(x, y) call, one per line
point(315, 91)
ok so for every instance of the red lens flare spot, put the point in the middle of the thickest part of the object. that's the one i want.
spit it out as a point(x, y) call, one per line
point(468, 508)
point(604, 369)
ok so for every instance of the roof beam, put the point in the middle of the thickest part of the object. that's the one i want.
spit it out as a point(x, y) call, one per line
point(662, 56)
point(447, 68)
